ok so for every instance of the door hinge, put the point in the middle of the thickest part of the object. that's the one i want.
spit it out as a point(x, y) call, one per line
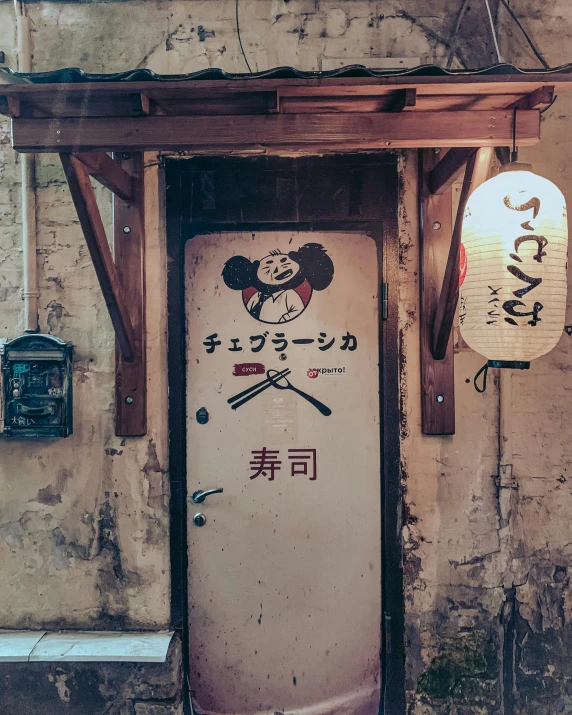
point(387, 619)
point(383, 301)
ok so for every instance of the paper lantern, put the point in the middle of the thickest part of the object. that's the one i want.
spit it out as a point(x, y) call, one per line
point(512, 298)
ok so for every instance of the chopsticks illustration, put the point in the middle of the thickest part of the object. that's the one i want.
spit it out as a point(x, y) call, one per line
point(247, 395)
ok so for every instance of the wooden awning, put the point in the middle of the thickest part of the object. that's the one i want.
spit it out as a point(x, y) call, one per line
point(450, 115)
point(303, 115)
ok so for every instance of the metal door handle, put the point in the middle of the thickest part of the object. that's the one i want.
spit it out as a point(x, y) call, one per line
point(199, 496)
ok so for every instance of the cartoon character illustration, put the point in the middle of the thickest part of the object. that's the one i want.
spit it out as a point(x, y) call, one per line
point(278, 288)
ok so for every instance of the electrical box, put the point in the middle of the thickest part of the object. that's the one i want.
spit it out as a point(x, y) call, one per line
point(37, 387)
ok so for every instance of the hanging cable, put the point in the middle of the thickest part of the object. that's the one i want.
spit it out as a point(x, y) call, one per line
point(455, 35)
point(483, 371)
point(514, 152)
point(532, 46)
point(494, 32)
point(539, 57)
point(549, 105)
point(240, 40)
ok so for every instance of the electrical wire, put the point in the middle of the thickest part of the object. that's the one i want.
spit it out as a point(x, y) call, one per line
point(532, 46)
point(549, 105)
point(539, 57)
point(514, 152)
point(494, 33)
point(455, 35)
point(240, 40)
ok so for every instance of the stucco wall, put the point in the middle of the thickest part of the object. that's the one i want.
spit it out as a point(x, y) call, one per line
point(83, 523)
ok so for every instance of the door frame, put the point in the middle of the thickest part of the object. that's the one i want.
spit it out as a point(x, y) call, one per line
point(385, 233)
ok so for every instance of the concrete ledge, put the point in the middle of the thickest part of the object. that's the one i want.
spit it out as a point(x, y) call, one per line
point(93, 688)
point(78, 646)
point(17, 646)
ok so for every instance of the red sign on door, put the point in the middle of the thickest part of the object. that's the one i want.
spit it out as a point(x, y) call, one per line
point(248, 368)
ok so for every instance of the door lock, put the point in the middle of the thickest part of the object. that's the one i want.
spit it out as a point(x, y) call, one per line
point(199, 519)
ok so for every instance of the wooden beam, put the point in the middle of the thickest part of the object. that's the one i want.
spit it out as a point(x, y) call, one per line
point(108, 172)
point(329, 131)
point(147, 105)
point(201, 98)
point(140, 103)
point(437, 376)
point(478, 166)
point(14, 106)
point(432, 85)
point(542, 96)
point(449, 296)
point(482, 166)
point(448, 168)
point(327, 105)
point(273, 102)
point(401, 99)
point(90, 220)
point(129, 247)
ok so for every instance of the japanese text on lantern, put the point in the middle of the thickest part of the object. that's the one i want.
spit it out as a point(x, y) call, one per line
point(510, 306)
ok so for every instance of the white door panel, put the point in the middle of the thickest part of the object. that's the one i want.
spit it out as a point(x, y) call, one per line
point(284, 577)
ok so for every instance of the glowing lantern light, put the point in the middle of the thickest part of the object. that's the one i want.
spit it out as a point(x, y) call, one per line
point(512, 297)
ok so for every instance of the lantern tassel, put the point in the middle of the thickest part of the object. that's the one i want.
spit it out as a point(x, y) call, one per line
point(484, 372)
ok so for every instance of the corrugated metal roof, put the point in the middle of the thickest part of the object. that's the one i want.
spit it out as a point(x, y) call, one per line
point(74, 75)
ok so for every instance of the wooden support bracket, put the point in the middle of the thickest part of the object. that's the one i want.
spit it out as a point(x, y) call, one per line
point(437, 376)
point(108, 172)
point(122, 281)
point(83, 197)
point(449, 296)
point(440, 286)
point(129, 245)
point(476, 172)
point(446, 170)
